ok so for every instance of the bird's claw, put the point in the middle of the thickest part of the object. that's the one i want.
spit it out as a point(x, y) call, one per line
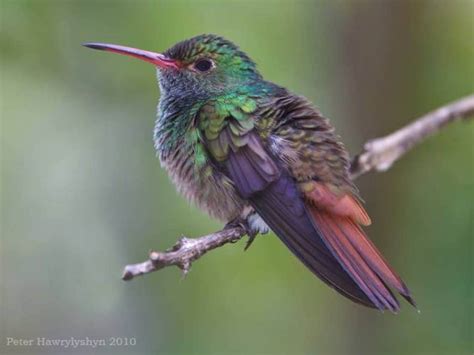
point(248, 230)
point(250, 240)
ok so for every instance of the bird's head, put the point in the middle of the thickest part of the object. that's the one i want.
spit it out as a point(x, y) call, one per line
point(204, 65)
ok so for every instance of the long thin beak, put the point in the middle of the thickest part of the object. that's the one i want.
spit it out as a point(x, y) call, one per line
point(157, 59)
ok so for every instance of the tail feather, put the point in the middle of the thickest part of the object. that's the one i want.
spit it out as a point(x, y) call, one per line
point(359, 257)
point(373, 257)
point(335, 237)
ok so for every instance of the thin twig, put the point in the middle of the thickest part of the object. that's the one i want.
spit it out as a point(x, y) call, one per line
point(184, 252)
point(379, 154)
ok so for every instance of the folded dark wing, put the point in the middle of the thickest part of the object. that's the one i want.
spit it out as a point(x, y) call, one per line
point(276, 198)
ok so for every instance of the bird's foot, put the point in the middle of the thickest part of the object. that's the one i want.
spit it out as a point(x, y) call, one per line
point(252, 225)
point(242, 223)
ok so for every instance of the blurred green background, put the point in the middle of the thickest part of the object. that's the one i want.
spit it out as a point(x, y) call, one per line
point(82, 193)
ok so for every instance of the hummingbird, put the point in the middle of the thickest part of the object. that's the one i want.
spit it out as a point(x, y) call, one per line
point(252, 153)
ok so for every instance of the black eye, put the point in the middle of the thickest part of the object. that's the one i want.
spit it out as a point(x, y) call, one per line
point(203, 65)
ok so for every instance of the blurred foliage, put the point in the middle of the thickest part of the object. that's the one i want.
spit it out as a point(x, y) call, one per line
point(82, 193)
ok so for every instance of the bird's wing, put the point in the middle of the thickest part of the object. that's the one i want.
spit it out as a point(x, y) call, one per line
point(270, 180)
point(275, 197)
point(319, 164)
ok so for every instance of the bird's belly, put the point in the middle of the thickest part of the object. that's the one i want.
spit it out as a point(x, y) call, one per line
point(209, 189)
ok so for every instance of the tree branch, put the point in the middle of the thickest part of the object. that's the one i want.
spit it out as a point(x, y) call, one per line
point(378, 154)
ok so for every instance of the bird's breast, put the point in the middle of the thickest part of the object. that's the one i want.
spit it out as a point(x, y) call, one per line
point(201, 184)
